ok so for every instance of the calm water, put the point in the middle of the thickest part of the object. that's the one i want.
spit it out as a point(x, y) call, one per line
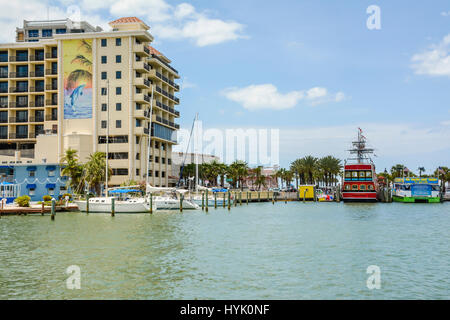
point(260, 251)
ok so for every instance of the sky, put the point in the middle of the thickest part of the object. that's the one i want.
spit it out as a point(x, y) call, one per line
point(310, 68)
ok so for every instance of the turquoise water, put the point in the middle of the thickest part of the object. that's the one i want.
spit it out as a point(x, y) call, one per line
point(259, 251)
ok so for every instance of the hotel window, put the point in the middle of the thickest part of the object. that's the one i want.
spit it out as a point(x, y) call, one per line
point(104, 42)
point(104, 75)
point(362, 174)
point(169, 161)
point(118, 123)
point(355, 187)
point(156, 174)
point(138, 106)
point(47, 33)
point(33, 33)
point(156, 159)
point(31, 173)
point(118, 42)
point(32, 192)
point(138, 123)
point(118, 74)
point(104, 124)
point(104, 107)
point(362, 187)
point(61, 31)
point(355, 174)
point(104, 59)
point(51, 191)
point(104, 91)
point(118, 91)
point(348, 174)
point(163, 160)
point(118, 106)
point(137, 172)
point(163, 174)
point(118, 58)
point(51, 173)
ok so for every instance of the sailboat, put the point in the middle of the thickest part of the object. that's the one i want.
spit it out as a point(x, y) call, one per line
point(124, 203)
point(170, 198)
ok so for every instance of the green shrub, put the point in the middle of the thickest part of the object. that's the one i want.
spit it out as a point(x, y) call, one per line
point(47, 198)
point(67, 195)
point(23, 201)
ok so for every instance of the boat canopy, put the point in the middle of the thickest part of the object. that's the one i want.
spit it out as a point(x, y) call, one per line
point(151, 189)
point(124, 191)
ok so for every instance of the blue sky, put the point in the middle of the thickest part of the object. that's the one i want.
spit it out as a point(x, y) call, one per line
point(309, 68)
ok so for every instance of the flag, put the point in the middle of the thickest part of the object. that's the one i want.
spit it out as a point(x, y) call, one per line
point(441, 171)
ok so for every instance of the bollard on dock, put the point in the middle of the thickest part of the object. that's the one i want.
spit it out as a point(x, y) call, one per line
point(207, 200)
point(53, 209)
point(113, 209)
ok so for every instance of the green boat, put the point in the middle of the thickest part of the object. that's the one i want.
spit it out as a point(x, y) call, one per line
point(416, 190)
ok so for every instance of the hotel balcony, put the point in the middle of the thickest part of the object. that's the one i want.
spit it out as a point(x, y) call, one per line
point(141, 98)
point(167, 122)
point(36, 104)
point(141, 82)
point(168, 95)
point(140, 131)
point(37, 89)
point(50, 117)
point(17, 120)
point(51, 102)
point(141, 114)
point(50, 55)
point(36, 119)
point(37, 57)
point(141, 66)
point(168, 109)
point(17, 90)
point(51, 72)
point(156, 58)
point(14, 104)
point(141, 49)
point(18, 74)
point(18, 58)
point(36, 74)
point(50, 87)
point(14, 135)
point(165, 79)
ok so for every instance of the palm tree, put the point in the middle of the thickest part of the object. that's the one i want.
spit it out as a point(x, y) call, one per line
point(310, 166)
point(421, 169)
point(238, 170)
point(72, 169)
point(443, 173)
point(81, 59)
point(95, 172)
point(297, 169)
point(260, 179)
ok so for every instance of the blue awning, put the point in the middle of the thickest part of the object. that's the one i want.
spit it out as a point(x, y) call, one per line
point(124, 191)
point(32, 168)
point(51, 168)
point(50, 186)
point(31, 186)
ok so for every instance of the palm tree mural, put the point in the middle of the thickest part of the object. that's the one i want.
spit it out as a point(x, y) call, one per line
point(77, 78)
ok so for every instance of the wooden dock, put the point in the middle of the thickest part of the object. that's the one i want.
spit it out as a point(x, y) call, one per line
point(35, 210)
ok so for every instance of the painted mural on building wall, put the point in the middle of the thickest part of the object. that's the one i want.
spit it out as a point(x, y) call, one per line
point(77, 68)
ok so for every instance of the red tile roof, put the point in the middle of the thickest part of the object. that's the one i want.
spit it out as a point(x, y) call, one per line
point(127, 20)
point(154, 51)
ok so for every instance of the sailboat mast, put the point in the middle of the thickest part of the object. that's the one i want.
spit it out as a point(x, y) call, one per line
point(196, 152)
point(149, 138)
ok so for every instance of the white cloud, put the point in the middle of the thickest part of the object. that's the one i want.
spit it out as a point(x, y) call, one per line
point(445, 13)
point(445, 123)
point(435, 61)
point(267, 96)
point(166, 21)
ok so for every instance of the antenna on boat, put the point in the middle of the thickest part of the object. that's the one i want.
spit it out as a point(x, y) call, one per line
point(360, 150)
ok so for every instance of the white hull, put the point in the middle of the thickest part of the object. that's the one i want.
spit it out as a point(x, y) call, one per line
point(104, 205)
point(163, 203)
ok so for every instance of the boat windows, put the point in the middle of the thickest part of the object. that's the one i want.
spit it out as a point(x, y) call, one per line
point(435, 188)
point(347, 187)
point(362, 174)
point(362, 187)
point(348, 174)
point(368, 174)
point(355, 174)
point(370, 187)
point(355, 187)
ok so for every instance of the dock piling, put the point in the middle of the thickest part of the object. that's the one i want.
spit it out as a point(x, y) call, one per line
point(53, 209)
point(113, 209)
point(229, 200)
point(240, 198)
point(224, 200)
point(207, 200)
point(151, 203)
point(87, 204)
point(181, 202)
point(203, 201)
point(215, 200)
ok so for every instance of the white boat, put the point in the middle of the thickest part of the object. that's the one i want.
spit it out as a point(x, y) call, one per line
point(170, 198)
point(104, 205)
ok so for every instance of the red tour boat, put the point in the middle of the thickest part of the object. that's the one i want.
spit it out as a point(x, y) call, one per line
point(360, 179)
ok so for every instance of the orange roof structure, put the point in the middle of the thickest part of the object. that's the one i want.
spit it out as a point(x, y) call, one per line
point(128, 20)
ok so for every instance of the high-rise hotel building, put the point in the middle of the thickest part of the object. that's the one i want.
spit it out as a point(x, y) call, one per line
point(57, 82)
